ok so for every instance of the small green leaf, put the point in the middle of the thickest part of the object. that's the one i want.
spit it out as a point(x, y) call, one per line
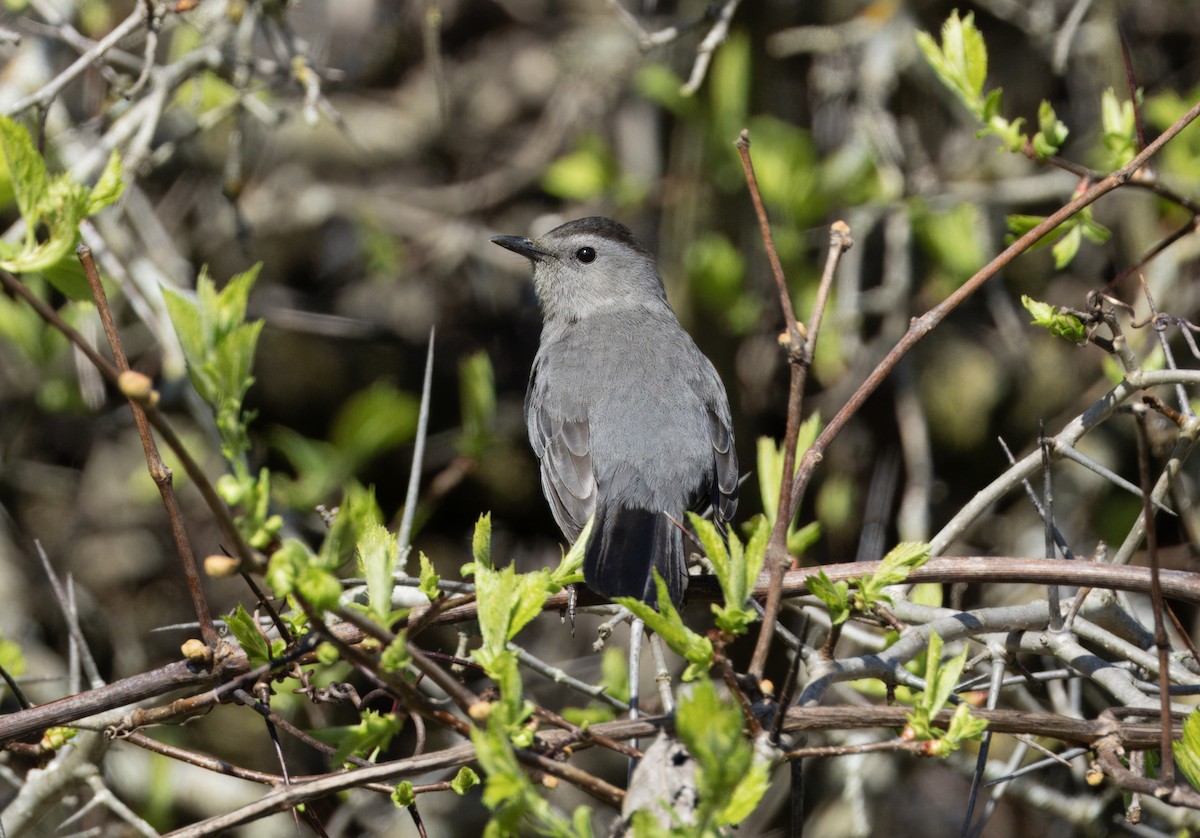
point(109, 187)
point(667, 624)
point(746, 794)
point(373, 733)
point(1119, 125)
point(1059, 323)
point(1067, 247)
point(372, 421)
point(54, 738)
point(286, 565)
point(377, 555)
point(481, 542)
point(30, 181)
point(249, 636)
point(570, 569)
point(835, 595)
point(964, 726)
point(799, 541)
point(477, 397)
point(464, 780)
point(12, 659)
point(961, 61)
point(395, 657)
point(1051, 132)
point(403, 795)
point(661, 85)
point(319, 587)
point(730, 778)
point(583, 174)
point(902, 560)
point(429, 579)
point(1187, 749)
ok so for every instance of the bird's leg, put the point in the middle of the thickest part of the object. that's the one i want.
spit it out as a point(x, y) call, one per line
point(662, 676)
point(636, 630)
point(572, 599)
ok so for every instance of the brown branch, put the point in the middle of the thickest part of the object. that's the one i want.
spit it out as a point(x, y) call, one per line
point(159, 422)
point(923, 325)
point(1167, 772)
point(159, 473)
point(800, 344)
point(1178, 585)
point(1124, 734)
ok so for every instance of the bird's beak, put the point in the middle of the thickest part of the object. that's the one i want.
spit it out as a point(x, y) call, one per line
point(523, 245)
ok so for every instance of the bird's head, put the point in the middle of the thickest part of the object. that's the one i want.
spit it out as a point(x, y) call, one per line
point(588, 266)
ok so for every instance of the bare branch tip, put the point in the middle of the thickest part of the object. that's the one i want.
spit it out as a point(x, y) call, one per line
point(743, 140)
point(839, 235)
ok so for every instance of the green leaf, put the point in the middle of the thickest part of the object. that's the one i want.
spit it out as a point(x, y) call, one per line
point(737, 569)
point(250, 637)
point(477, 397)
point(940, 677)
point(286, 565)
point(835, 595)
point(661, 85)
point(357, 513)
point(770, 479)
point(507, 602)
point(373, 733)
point(403, 795)
point(570, 569)
point(800, 540)
point(1067, 247)
point(26, 168)
point(1187, 749)
point(730, 778)
point(746, 794)
point(902, 560)
point(961, 61)
point(1119, 125)
point(429, 579)
point(667, 624)
point(464, 780)
point(1059, 323)
point(395, 657)
point(372, 421)
point(730, 81)
point(11, 657)
point(61, 213)
point(320, 587)
point(723, 561)
point(964, 726)
point(109, 187)
point(377, 556)
point(481, 541)
point(1051, 132)
point(583, 174)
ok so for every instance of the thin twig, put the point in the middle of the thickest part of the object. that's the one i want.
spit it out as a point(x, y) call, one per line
point(40, 98)
point(1056, 616)
point(158, 471)
point(708, 46)
point(1167, 771)
point(923, 325)
point(404, 534)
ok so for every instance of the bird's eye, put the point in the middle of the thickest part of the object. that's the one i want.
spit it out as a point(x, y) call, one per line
point(585, 255)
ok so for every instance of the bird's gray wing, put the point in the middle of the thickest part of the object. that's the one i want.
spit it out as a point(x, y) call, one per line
point(563, 446)
point(725, 463)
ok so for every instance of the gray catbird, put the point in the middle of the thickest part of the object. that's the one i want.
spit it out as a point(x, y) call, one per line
point(628, 418)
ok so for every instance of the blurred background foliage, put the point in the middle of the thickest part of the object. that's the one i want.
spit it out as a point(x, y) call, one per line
point(444, 122)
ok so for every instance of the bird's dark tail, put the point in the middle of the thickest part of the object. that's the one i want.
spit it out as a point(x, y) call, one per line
point(626, 542)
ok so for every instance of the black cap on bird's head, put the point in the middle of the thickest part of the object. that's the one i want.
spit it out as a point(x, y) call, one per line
point(589, 265)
